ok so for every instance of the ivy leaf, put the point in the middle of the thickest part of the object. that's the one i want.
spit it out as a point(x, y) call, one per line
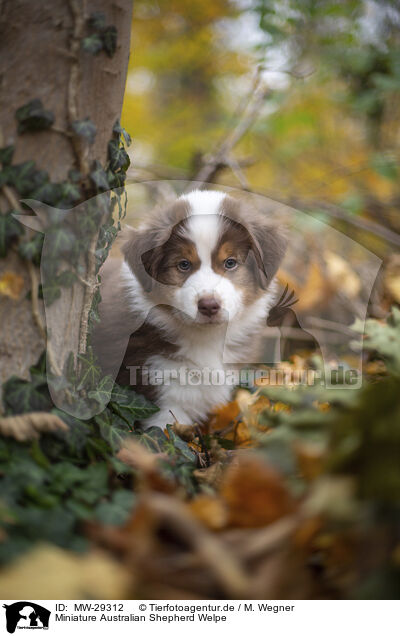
point(85, 128)
point(59, 241)
point(90, 371)
point(117, 510)
point(130, 405)
point(32, 250)
point(102, 392)
point(22, 177)
point(118, 156)
point(32, 116)
point(51, 292)
point(77, 436)
point(69, 194)
point(92, 44)
point(118, 130)
point(6, 155)
point(48, 193)
point(67, 278)
point(174, 443)
point(109, 37)
point(113, 428)
point(97, 21)
point(21, 396)
point(10, 229)
point(74, 175)
point(116, 179)
point(99, 177)
point(95, 484)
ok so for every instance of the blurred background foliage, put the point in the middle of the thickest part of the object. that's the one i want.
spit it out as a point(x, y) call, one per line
point(327, 129)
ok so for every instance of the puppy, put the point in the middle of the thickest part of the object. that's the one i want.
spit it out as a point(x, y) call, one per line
point(188, 303)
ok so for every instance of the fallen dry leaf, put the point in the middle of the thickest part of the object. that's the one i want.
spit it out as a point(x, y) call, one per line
point(310, 458)
point(210, 510)
point(255, 493)
point(11, 285)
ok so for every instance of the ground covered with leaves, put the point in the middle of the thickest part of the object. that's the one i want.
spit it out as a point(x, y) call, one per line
point(287, 492)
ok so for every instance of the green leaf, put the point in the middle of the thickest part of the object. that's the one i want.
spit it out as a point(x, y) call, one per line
point(32, 250)
point(59, 242)
point(85, 128)
point(385, 166)
point(94, 485)
point(21, 396)
point(32, 116)
point(118, 130)
point(118, 156)
point(48, 193)
point(51, 292)
point(109, 38)
point(382, 338)
point(99, 177)
point(90, 371)
point(23, 177)
point(66, 278)
point(113, 428)
point(10, 229)
point(75, 176)
point(97, 21)
point(77, 436)
point(6, 155)
point(69, 194)
point(102, 392)
point(92, 44)
point(130, 405)
point(117, 510)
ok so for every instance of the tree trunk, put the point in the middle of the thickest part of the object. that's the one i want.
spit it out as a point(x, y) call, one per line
point(42, 57)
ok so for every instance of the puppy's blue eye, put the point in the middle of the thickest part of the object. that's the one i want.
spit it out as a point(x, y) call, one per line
point(184, 265)
point(230, 263)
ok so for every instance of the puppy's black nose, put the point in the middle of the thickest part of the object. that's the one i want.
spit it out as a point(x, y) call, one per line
point(208, 306)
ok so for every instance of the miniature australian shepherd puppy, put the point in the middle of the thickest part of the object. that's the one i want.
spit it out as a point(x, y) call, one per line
point(190, 299)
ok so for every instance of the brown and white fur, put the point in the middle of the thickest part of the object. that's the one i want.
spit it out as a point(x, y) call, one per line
point(159, 312)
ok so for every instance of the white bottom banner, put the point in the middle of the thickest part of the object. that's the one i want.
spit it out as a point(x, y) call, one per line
point(330, 618)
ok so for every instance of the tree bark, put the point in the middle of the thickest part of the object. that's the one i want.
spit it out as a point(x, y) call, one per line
point(41, 57)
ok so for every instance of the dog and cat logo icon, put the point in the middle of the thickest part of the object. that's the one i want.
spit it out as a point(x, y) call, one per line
point(26, 615)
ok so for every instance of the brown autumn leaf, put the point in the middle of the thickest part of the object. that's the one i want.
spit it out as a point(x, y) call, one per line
point(255, 492)
point(223, 416)
point(210, 476)
point(210, 510)
point(310, 457)
point(11, 285)
point(146, 465)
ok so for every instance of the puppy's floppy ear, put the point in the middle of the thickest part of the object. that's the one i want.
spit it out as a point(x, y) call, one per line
point(268, 246)
point(142, 250)
point(266, 241)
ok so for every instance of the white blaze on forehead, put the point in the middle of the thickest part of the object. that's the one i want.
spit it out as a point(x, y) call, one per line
point(203, 225)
